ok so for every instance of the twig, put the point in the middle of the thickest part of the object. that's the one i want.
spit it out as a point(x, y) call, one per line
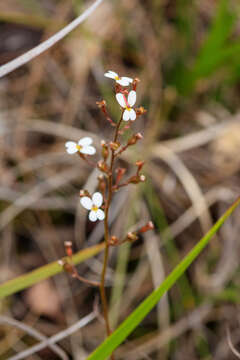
point(55, 338)
point(34, 333)
point(39, 49)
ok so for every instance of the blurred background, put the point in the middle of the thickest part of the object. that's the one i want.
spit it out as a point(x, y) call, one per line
point(186, 54)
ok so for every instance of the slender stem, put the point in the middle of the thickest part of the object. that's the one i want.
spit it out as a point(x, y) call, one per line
point(106, 231)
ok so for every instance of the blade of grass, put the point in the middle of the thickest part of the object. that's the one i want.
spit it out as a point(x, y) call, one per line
point(119, 335)
point(24, 281)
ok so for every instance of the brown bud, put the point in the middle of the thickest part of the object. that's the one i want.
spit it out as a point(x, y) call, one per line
point(105, 151)
point(114, 240)
point(102, 105)
point(68, 248)
point(139, 164)
point(68, 268)
point(140, 111)
point(101, 183)
point(135, 83)
point(132, 236)
point(120, 172)
point(103, 166)
point(83, 193)
point(134, 139)
point(136, 179)
point(147, 227)
point(114, 145)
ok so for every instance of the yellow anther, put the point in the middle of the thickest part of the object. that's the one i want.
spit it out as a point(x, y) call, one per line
point(117, 78)
point(94, 208)
point(79, 147)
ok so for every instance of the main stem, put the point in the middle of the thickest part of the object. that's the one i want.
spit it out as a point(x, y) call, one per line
point(106, 236)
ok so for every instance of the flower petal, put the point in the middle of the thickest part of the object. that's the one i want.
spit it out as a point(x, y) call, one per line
point(71, 147)
point(86, 202)
point(85, 141)
point(132, 97)
point(130, 80)
point(123, 82)
point(89, 150)
point(113, 72)
point(120, 100)
point(132, 114)
point(92, 216)
point(126, 115)
point(100, 214)
point(97, 199)
point(110, 75)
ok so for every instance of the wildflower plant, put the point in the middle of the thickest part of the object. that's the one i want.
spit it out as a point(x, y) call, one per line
point(111, 178)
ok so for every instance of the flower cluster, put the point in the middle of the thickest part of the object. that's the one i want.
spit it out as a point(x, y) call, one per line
point(126, 99)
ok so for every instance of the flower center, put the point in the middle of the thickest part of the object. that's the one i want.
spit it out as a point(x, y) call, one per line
point(94, 208)
point(79, 147)
point(117, 78)
point(128, 108)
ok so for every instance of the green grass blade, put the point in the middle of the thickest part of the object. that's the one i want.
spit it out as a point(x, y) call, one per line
point(24, 281)
point(121, 333)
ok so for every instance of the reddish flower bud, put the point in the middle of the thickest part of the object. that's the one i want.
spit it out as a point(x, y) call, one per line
point(120, 172)
point(114, 240)
point(147, 227)
point(135, 83)
point(68, 248)
point(134, 139)
point(139, 164)
point(136, 179)
point(103, 166)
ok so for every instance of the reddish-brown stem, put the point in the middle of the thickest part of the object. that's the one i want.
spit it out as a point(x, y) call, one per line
point(106, 231)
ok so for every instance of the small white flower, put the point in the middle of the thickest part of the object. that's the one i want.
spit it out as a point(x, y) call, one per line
point(129, 113)
point(83, 146)
point(93, 205)
point(124, 80)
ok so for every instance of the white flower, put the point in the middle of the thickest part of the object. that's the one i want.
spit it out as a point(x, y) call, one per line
point(83, 146)
point(124, 80)
point(129, 113)
point(93, 205)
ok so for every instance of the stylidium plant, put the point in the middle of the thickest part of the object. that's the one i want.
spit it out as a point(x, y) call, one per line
point(111, 178)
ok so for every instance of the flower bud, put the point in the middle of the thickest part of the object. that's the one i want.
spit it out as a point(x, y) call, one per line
point(114, 240)
point(105, 151)
point(139, 164)
point(83, 193)
point(101, 183)
point(120, 172)
point(135, 83)
point(102, 105)
point(114, 145)
point(68, 248)
point(103, 166)
point(140, 111)
point(147, 227)
point(136, 179)
point(134, 139)
point(132, 236)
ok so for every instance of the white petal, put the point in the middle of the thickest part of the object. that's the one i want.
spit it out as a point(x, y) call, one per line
point(120, 100)
point(110, 75)
point(113, 72)
point(123, 82)
point(126, 115)
point(86, 202)
point(71, 147)
point(132, 97)
point(132, 114)
point(89, 150)
point(97, 199)
point(130, 80)
point(85, 141)
point(100, 214)
point(92, 215)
